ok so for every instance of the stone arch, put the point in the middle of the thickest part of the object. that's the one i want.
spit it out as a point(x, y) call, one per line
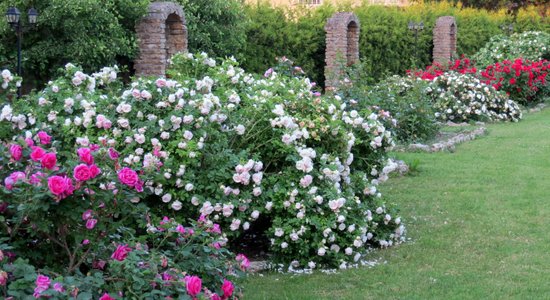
point(342, 42)
point(445, 36)
point(161, 34)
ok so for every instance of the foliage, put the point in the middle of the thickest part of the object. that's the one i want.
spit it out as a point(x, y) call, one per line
point(91, 33)
point(235, 148)
point(531, 45)
point(523, 80)
point(462, 97)
point(217, 27)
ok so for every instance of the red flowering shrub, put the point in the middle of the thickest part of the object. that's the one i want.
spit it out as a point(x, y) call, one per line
point(523, 80)
point(462, 66)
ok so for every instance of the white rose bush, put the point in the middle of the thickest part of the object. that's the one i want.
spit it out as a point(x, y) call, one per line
point(266, 154)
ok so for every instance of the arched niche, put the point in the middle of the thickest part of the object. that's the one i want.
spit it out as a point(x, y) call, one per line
point(445, 36)
point(161, 34)
point(342, 43)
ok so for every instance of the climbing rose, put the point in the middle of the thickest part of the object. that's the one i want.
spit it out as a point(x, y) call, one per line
point(113, 154)
point(60, 186)
point(82, 173)
point(121, 252)
point(42, 283)
point(193, 285)
point(90, 224)
point(128, 176)
point(13, 179)
point(16, 152)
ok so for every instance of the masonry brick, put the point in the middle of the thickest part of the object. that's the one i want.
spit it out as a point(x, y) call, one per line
point(445, 35)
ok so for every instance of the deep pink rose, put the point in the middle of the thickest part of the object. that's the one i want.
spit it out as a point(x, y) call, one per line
point(87, 214)
point(16, 151)
point(48, 161)
point(215, 297)
point(94, 171)
point(42, 284)
point(82, 172)
point(36, 178)
point(85, 155)
point(245, 263)
point(60, 186)
point(106, 297)
point(193, 285)
point(227, 288)
point(44, 138)
point(94, 147)
point(90, 224)
point(113, 154)
point(121, 252)
point(37, 153)
point(14, 177)
point(128, 176)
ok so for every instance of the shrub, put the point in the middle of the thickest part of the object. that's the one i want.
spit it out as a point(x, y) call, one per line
point(462, 97)
point(531, 45)
point(523, 80)
point(70, 213)
point(236, 148)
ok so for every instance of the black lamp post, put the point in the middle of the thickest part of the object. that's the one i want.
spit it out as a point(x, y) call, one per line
point(416, 27)
point(507, 28)
point(13, 16)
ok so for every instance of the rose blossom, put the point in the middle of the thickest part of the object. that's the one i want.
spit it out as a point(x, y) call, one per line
point(87, 214)
point(58, 287)
point(60, 186)
point(48, 161)
point(90, 224)
point(121, 252)
point(3, 278)
point(227, 288)
point(106, 296)
point(113, 154)
point(82, 173)
point(37, 153)
point(36, 178)
point(16, 151)
point(128, 177)
point(13, 179)
point(193, 285)
point(42, 284)
point(85, 155)
point(44, 138)
point(245, 263)
point(94, 171)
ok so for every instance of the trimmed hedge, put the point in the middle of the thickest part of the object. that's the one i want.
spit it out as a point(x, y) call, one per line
point(386, 45)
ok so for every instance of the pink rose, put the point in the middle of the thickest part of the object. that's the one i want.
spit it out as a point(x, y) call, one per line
point(227, 288)
point(60, 186)
point(245, 263)
point(82, 172)
point(48, 161)
point(106, 297)
point(94, 171)
point(85, 155)
point(113, 154)
point(87, 214)
point(3, 278)
point(58, 287)
point(42, 284)
point(193, 285)
point(16, 151)
point(90, 224)
point(36, 178)
point(128, 176)
point(121, 252)
point(44, 138)
point(29, 142)
point(37, 153)
point(14, 177)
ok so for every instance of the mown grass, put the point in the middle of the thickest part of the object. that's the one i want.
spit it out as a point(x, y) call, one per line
point(478, 220)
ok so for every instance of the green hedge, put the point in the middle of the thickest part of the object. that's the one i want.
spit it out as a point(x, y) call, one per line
point(386, 45)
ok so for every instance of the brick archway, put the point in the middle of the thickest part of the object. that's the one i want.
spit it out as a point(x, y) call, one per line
point(342, 42)
point(445, 35)
point(161, 34)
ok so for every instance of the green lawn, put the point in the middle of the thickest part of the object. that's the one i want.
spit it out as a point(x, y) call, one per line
point(478, 223)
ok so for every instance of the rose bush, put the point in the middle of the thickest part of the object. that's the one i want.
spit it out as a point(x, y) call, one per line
point(74, 229)
point(267, 154)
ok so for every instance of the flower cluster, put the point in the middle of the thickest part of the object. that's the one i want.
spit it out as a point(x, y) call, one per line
point(523, 80)
point(461, 97)
point(462, 66)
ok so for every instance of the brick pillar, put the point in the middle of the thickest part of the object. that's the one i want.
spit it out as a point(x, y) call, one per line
point(161, 34)
point(342, 45)
point(445, 33)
